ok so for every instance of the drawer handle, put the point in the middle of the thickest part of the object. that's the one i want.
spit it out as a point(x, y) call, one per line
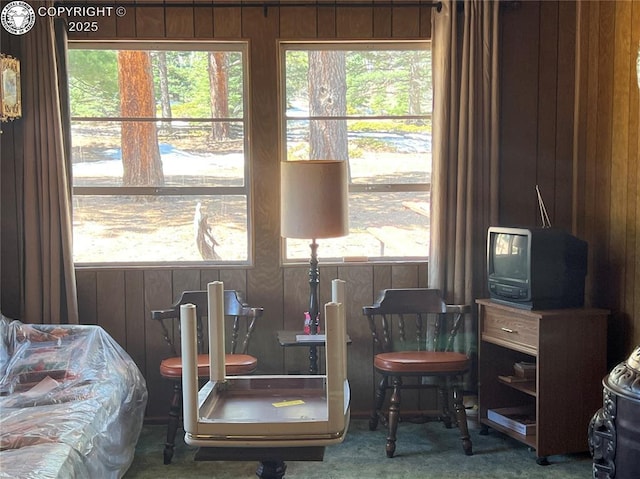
point(507, 330)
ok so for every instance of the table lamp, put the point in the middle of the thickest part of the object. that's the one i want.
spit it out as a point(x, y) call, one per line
point(314, 204)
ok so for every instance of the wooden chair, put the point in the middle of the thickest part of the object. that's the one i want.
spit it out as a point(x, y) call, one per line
point(427, 353)
point(237, 360)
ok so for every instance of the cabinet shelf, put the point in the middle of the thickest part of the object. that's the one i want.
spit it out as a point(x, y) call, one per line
point(527, 387)
point(529, 440)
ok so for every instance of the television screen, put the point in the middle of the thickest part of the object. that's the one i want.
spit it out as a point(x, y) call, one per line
point(510, 257)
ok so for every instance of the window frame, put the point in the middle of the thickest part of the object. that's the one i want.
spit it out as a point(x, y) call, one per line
point(347, 45)
point(245, 190)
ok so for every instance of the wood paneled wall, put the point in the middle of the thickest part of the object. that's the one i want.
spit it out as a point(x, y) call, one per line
point(607, 166)
point(570, 124)
point(282, 291)
point(590, 185)
point(537, 84)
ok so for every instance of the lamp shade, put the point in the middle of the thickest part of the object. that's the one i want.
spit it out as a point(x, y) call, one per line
point(313, 199)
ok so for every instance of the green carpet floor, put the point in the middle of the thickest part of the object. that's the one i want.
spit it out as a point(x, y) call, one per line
point(425, 451)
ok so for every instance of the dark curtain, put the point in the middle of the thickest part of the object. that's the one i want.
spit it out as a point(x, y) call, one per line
point(465, 153)
point(47, 270)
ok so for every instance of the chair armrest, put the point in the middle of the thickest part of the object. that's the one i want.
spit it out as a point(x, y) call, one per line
point(458, 308)
point(256, 312)
point(160, 314)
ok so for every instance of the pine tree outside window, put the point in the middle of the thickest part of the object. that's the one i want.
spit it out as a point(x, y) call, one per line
point(370, 104)
point(160, 160)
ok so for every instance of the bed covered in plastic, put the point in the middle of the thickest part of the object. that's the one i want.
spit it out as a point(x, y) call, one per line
point(72, 402)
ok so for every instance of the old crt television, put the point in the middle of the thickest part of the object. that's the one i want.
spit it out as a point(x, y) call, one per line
point(536, 268)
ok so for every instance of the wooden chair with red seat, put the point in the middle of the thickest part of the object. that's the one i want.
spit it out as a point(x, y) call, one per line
point(427, 353)
point(238, 361)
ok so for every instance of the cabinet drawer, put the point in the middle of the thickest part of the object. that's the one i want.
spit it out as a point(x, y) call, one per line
point(502, 327)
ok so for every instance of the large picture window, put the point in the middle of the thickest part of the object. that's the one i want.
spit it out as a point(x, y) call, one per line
point(369, 104)
point(160, 159)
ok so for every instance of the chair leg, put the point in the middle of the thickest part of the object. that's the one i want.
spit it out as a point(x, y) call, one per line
point(443, 391)
point(461, 416)
point(394, 416)
point(174, 420)
point(381, 392)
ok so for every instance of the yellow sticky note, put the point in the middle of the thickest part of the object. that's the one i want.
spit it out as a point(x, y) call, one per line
point(295, 402)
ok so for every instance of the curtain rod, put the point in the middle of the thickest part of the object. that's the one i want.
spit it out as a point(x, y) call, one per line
point(266, 4)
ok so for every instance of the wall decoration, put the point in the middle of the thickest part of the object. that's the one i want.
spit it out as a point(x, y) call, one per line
point(10, 97)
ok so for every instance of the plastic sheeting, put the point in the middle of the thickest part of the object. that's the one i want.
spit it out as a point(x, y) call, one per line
point(72, 402)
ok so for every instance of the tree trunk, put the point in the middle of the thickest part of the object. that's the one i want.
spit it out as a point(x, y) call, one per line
point(328, 97)
point(218, 78)
point(140, 153)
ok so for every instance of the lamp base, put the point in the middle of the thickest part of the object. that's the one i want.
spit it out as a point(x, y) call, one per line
point(314, 281)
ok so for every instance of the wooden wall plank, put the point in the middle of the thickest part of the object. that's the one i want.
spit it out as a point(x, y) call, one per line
point(547, 162)
point(406, 22)
point(86, 285)
point(591, 127)
point(136, 324)
point(110, 305)
point(519, 120)
point(381, 279)
point(298, 22)
point(580, 120)
point(207, 276)
point(184, 280)
point(404, 276)
point(180, 22)
point(126, 22)
point(354, 22)
point(235, 279)
point(382, 22)
point(150, 22)
point(296, 302)
point(632, 297)
point(158, 294)
point(227, 22)
point(360, 354)
point(423, 275)
point(604, 106)
point(203, 23)
point(564, 114)
point(327, 27)
point(620, 151)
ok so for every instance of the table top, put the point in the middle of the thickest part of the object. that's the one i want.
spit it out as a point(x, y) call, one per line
point(288, 338)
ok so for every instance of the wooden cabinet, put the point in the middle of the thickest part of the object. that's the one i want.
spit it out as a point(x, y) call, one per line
point(569, 349)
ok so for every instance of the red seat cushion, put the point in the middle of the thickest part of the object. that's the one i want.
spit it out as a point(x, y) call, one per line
point(412, 362)
point(235, 365)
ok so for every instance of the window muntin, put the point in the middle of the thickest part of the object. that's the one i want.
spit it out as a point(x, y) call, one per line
point(202, 148)
point(386, 119)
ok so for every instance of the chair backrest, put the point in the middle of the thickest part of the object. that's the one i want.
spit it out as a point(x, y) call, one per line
point(434, 327)
point(242, 316)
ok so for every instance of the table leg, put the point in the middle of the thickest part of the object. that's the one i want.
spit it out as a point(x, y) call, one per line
point(271, 470)
point(313, 360)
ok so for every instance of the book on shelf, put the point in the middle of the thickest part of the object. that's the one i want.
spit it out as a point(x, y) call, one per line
point(521, 419)
point(516, 379)
point(525, 369)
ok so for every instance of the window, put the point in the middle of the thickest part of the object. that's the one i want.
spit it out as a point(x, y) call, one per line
point(369, 104)
point(160, 160)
